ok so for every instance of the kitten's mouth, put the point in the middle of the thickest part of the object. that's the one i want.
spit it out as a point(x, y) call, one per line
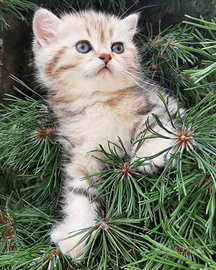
point(104, 70)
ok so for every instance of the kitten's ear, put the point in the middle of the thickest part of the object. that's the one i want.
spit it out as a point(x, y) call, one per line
point(131, 23)
point(45, 24)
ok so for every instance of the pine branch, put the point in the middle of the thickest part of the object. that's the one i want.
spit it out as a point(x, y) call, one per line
point(27, 146)
point(9, 8)
point(25, 243)
point(204, 77)
point(164, 58)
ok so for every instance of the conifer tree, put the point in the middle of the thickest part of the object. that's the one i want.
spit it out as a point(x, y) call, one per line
point(161, 221)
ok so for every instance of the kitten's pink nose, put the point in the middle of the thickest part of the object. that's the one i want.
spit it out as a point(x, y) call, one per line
point(105, 57)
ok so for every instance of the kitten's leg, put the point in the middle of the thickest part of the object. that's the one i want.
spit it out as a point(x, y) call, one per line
point(78, 210)
point(151, 147)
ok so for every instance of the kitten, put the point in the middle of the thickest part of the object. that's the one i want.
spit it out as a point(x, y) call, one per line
point(90, 65)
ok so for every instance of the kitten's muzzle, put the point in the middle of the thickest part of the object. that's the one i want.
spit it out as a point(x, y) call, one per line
point(105, 57)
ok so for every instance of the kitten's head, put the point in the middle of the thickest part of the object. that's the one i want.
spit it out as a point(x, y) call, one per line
point(85, 52)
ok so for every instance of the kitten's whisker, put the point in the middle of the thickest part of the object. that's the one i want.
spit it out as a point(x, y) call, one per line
point(130, 76)
point(69, 5)
point(122, 15)
point(133, 69)
point(129, 72)
point(137, 80)
point(141, 78)
point(149, 6)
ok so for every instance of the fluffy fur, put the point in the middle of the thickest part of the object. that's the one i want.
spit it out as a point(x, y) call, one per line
point(94, 104)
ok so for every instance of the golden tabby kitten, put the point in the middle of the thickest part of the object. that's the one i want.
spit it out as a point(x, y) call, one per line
point(90, 65)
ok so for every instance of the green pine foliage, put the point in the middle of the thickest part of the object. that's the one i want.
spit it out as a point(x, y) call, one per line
point(167, 56)
point(28, 147)
point(168, 217)
point(10, 8)
point(206, 72)
point(164, 60)
point(159, 221)
point(25, 238)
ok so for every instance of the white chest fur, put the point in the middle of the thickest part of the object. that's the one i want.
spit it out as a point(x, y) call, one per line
point(98, 124)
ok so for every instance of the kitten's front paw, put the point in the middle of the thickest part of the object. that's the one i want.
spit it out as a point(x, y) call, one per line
point(152, 165)
point(150, 148)
point(66, 242)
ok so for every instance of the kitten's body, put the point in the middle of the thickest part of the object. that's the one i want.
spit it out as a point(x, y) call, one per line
point(94, 104)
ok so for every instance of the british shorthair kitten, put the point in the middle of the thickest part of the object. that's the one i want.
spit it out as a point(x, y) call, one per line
point(90, 66)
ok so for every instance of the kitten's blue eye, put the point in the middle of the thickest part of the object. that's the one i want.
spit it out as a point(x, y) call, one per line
point(118, 47)
point(83, 47)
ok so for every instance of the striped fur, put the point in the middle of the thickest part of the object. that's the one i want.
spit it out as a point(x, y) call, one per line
point(93, 107)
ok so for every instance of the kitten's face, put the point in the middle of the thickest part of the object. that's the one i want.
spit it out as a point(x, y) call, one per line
point(85, 52)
